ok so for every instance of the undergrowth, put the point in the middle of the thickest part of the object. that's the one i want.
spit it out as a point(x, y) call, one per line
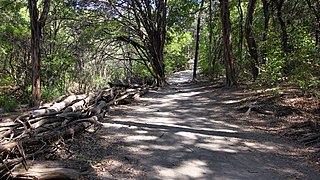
point(8, 104)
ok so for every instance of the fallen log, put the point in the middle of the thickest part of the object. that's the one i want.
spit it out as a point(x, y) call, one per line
point(310, 138)
point(39, 131)
point(8, 146)
point(79, 105)
point(48, 170)
point(58, 99)
point(71, 115)
point(102, 93)
point(97, 109)
point(58, 106)
point(123, 85)
point(51, 136)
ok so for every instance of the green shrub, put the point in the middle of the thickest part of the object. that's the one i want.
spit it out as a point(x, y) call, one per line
point(8, 104)
point(48, 94)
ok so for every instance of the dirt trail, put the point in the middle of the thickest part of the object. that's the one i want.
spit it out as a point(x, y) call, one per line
point(193, 131)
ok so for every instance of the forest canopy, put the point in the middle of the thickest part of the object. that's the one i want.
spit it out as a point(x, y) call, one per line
point(80, 46)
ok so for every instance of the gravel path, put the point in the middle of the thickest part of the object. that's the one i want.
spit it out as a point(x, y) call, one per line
point(193, 131)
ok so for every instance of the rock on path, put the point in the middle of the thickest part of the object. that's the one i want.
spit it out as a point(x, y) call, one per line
point(188, 131)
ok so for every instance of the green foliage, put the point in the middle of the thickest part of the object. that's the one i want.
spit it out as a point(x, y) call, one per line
point(8, 104)
point(176, 57)
point(181, 14)
point(272, 69)
point(79, 48)
point(299, 66)
point(49, 93)
point(140, 71)
point(309, 85)
point(118, 73)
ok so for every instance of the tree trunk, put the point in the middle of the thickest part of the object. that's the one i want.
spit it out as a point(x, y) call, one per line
point(266, 14)
point(266, 19)
point(152, 34)
point(227, 43)
point(197, 43)
point(252, 45)
point(210, 57)
point(240, 30)
point(36, 26)
point(158, 42)
point(217, 52)
point(35, 53)
point(317, 14)
point(284, 34)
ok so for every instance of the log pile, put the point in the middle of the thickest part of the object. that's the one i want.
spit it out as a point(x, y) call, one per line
point(34, 133)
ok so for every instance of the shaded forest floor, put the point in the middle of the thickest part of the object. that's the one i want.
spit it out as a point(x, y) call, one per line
point(201, 131)
point(285, 112)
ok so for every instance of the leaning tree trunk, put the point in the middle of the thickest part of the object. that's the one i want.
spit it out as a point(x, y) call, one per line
point(252, 45)
point(36, 26)
point(227, 43)
point(197, 43)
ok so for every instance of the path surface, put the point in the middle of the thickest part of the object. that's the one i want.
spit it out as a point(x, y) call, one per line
point(192, 131)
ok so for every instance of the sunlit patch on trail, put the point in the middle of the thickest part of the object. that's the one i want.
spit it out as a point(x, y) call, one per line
point(180, 77)
point(191, 169)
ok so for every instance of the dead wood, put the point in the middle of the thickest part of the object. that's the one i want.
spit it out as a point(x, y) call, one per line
point(317, 145)
point(97, 109)
point(123, 85)
point(6, 133)
point(65, 117)
point(58, 106)
point(8, 146)
point(47, 170)
point(43, 122)
point(102, 93)
point(249, 107)
point(140, 93)
point(58, 99)
point(79, 105)
point(301, 124)
point(51, 136)
point(71, 115)
point(310, 138)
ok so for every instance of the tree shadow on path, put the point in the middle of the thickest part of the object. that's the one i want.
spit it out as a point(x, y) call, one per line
point(192, 131)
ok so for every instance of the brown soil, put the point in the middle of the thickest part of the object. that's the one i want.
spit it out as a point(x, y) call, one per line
point(286, 112)
point(200, 131)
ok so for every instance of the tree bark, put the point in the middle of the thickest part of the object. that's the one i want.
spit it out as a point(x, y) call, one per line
point(266, 18)
point(152, 18)
point(252, 45)
point(197, 42)
point(36, 26)
point(317, 14)
point(284, 34)
point(210, 57)
point(266, 14)
point(157, 34)
point(227, 43)
point(240, 30)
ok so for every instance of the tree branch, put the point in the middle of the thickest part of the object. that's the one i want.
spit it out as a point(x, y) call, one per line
point(44, 14)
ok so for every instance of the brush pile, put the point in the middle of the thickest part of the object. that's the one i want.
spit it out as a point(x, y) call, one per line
point(35, 133)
